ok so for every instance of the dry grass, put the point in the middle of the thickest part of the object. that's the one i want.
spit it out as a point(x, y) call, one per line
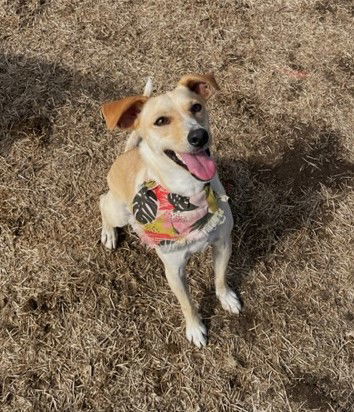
point(85, 329)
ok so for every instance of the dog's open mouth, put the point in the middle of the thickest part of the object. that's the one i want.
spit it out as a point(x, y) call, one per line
point(200, 164)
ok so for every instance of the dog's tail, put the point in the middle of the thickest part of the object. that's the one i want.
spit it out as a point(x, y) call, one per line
point(134, 139)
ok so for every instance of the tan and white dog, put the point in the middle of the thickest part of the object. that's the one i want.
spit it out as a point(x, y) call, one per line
point(170, 148)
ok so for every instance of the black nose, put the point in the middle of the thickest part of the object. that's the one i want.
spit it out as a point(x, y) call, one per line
point(198, 137)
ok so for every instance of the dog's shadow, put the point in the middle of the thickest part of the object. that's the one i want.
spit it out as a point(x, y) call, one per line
point(271, 200)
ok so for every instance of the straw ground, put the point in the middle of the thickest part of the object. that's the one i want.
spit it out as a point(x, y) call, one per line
point(86, 329)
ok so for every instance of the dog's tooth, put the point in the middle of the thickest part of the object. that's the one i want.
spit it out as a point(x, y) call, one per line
point(179, 157)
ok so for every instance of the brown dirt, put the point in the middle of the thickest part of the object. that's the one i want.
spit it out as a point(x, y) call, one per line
point(86, 329)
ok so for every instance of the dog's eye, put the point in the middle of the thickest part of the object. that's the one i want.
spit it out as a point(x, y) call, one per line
point(196, 107)
point(162, 121)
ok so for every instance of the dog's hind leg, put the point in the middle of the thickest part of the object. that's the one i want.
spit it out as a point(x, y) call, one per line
point(221, 254)
point(175, 263)
point(114, 214)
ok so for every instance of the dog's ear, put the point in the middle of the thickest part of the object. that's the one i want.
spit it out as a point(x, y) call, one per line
point(123, 113)
point(203, 84)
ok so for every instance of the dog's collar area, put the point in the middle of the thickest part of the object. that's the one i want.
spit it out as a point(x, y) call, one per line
point(168, 220)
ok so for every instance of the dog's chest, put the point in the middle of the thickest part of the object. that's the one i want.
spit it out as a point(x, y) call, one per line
point(170, 221)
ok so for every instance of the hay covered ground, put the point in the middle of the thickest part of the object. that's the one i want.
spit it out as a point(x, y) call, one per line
point(83, 328)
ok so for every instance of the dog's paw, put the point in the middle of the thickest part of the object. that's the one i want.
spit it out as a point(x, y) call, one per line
point(196, 333)
point(109, 237)
point(230, 301)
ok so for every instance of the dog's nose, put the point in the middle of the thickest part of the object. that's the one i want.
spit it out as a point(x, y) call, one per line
point(198, 137)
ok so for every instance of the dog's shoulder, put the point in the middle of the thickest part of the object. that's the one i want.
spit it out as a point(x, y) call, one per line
point(124, 174)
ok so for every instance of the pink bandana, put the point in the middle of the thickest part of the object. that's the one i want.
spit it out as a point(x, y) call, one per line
point(162, 218)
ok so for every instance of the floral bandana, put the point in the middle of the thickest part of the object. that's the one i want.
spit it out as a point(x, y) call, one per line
point(166, 219)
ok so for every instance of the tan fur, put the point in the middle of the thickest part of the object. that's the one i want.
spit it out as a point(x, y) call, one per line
point(117, 113)
point(203, 84)
point(123, 173)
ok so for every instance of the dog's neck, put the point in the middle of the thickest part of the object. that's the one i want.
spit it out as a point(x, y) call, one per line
point(175, 179)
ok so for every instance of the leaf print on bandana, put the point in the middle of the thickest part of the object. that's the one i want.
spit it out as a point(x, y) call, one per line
point(161, 226)
point(211, 198)
point(145, 205)
point(181, 203)
point(199, 224)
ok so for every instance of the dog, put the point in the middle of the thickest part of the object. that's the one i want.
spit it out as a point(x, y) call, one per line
point(166, 186)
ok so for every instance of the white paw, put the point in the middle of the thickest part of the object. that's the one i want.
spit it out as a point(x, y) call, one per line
point(230, 301)
point(197, 334)
point(109, 237)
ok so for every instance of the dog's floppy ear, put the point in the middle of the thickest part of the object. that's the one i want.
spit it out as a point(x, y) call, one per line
point(123, 113)
point(203, 84)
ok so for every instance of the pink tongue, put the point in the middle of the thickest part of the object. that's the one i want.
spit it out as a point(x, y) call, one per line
point(200, 164)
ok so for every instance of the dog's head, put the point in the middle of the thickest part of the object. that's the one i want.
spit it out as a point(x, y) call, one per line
point(174, 124)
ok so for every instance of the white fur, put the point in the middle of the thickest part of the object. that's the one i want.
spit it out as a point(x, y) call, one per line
point(149, 87)
point(114, 214)
point(230, 302)
point(196, 333)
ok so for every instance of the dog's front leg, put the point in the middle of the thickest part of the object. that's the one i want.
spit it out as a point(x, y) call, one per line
point(175, 263)
point(114, 214)
point(221, 254)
